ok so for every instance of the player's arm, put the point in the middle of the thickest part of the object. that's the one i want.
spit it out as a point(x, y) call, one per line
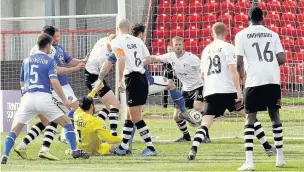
point(22, 79)
point(240, 53)
point(232, 61)
point(107, 66)
point(121, 61)
point(55, 83)
point(155, 59)
point(279, 52)
point(66, 70)
point(203, 57)
point(104, 134)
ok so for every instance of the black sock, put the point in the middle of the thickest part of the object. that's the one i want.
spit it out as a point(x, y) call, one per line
point(126, 134)
point(182, 125)
point(33, 133)
point(259, 133)
point(50, 132)
point(113, 118)
point(199, 137)
point(145, 134)
point(103, 114)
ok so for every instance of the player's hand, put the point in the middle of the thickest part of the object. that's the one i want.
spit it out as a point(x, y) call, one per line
point(97, 86)
point(239, 97)
point(80, 65)
point(68, 103)
point(121, 87)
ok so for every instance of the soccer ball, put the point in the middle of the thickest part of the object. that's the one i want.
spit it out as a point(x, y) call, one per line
point(196, 117)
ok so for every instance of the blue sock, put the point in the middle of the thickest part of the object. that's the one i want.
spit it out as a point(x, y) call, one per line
point(70, 136)
point(132, 135)
point(178, 99)
point(70, 114)
point(9, 143)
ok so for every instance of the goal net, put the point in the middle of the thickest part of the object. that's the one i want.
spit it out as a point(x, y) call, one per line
point(193, 19)
point(78, 36)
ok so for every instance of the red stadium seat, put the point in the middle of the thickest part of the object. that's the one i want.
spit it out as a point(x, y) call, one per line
point(204, 42)
point(163, 19)
point(164, 8)
point(289, 55)
point(180, 8)
point(211, 8)
point(289, 6)
point(177, 26)
point(272, 19)
point(288, 19)
point(213, 1)
point(194, 25)
point(196, 1)
point(192, 33)
point(161, 34)
point(162, 26)
point(300, 68)
point(227, 6)
point(159, 43)
point(241, 19)
point(299, 79)
point(300, 31)
point(287, 42)
point(286, 70)
point(300, 19)
point(191, 46)
point(301, 7)
point(237, 30)
point(262, 5)
point(194, 18)
point(206, 31)
point(165, 1)
point(196, 7)
point(177, 32)
point(209, 18)
point(182, 2)
point(226, 19)
point(242, 7)
point(274, 6)
point(178, 18)
point(288, 31)
point(274, 28)
point(299, 57)
point(299, 45)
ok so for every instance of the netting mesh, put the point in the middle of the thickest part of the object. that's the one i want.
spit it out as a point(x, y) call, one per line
point(78, 36)
point(193, 19)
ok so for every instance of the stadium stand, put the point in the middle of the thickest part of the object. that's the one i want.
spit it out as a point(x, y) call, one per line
point(193, 20)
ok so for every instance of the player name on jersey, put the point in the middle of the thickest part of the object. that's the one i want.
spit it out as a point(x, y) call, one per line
point(131, 46)
point(259, 35)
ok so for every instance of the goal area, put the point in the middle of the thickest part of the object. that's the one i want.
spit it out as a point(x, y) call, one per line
point(164, 19)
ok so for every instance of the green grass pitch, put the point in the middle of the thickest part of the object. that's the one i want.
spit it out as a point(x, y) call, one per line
point(220, 155)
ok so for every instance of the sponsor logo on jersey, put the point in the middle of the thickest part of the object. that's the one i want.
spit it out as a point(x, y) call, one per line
point(61, 58)
point(130, 101)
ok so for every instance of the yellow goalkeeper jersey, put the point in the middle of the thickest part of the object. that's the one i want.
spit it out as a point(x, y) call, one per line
point(92, 133)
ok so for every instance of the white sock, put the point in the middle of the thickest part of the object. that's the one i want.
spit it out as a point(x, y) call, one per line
point(22, 145)
point(280, 156)
point(249, 157)
point(44, 149)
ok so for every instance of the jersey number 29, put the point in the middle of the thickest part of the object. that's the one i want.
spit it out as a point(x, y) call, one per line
point(216, 62)
point(34, 74)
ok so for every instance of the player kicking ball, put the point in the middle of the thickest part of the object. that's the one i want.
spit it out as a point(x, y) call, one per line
point(98, 55)
point(187, 68)
point(263, 53)
point(156, 83)
point(222, 88)
point(62, 60)
point(38, 74)
point(93, 136)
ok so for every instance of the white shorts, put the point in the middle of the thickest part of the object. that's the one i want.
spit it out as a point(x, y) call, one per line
point(36, 103)
point(160, 84)
point(68, 92)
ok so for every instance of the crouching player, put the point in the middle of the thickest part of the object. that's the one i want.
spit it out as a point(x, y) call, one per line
point(94, 138)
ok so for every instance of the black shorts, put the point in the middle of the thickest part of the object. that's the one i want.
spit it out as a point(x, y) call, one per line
point(216, 104)
point(137, 89)
point(91, 78)
point(191, 96)
point(262, 97)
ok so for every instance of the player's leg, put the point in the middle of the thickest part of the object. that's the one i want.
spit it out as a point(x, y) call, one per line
point(128, 127)
point(213, 105)
point(109, 98)
point(254, 101)
point(25, 113)
point(182, 125)
point(259, 133)
point(53, 113)
point(274, 104)
point(31, 135)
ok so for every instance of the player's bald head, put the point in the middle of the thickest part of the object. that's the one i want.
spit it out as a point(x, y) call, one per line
point(124, 25)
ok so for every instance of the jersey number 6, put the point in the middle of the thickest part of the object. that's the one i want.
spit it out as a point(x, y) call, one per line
point(137, 60)
point(266, 51)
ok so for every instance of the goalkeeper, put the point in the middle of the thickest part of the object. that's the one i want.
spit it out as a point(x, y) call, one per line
point(94, 138)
